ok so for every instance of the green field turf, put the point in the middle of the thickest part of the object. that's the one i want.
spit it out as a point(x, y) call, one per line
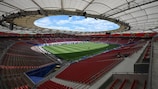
point(71, 52)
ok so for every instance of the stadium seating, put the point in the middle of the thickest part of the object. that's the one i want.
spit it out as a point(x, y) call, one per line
point(127, 81)
point(117, 83)
point(116, 40)
point(123, 41)
point(18, 59)
point(51, 40)
point(89, 70)
point(140, 35)
point(134, 84)
point(52, 85)
point(123, 84)
point(114, 83)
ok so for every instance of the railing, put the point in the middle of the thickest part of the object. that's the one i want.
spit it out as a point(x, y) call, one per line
point(50, 76)
point(134, 84)
point(114, 83)
point(29, 82)
point(130, 73)
point(123, 83)
point(140, 59)
point(149, 84)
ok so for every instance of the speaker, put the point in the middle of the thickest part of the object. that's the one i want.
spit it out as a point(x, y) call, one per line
point(39, 12)
point(108, 33)
point(84, 13)
point(11, 26)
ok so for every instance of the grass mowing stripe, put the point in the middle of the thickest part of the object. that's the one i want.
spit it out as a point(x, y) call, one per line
point(63, 49)
point(75, 51)
point(60, 49)
point(77, 48)
point(77, 55)
point(90, 46)
point(57, 51)
point(69, 47)
point(66, 49)
point(54, 49)
point(50, 49)
point(74, 46)
point(82, 49)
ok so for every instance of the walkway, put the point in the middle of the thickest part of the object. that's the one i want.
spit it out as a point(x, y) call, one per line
point(155, 66)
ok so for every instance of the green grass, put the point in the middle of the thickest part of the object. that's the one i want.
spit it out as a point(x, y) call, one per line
point(72, 52)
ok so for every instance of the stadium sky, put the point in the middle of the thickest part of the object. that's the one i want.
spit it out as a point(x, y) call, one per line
point(75, 23)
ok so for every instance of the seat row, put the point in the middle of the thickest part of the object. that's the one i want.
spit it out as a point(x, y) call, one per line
point(16, 82)
point(52, 85)
point(18, 59)
point(127, 83)
point(89, 70)
point(117, 40)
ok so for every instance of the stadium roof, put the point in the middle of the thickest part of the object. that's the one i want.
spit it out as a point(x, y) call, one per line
point(136, 15)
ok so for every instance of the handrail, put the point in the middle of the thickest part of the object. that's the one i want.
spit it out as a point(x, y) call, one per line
point(114, 83)
point(31, 83)
point(123, 84)
point(50, 76)
point(140, 59)
point(130, 73)
point(149, 84)
point(134, 84)
point(145, 83)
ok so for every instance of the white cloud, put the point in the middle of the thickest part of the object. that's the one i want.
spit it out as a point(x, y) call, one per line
point(60, 22)
point(79, 28)
point(95, 25)
point(77, 17)
point(43, 22)
point(76, 23)
point(58, 27)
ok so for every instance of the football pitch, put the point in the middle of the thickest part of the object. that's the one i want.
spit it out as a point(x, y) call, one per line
point(72, 52)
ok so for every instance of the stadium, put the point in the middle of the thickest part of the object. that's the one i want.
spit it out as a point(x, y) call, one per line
point(36, 57)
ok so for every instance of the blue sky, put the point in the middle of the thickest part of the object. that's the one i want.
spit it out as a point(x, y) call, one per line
point(75, 23)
